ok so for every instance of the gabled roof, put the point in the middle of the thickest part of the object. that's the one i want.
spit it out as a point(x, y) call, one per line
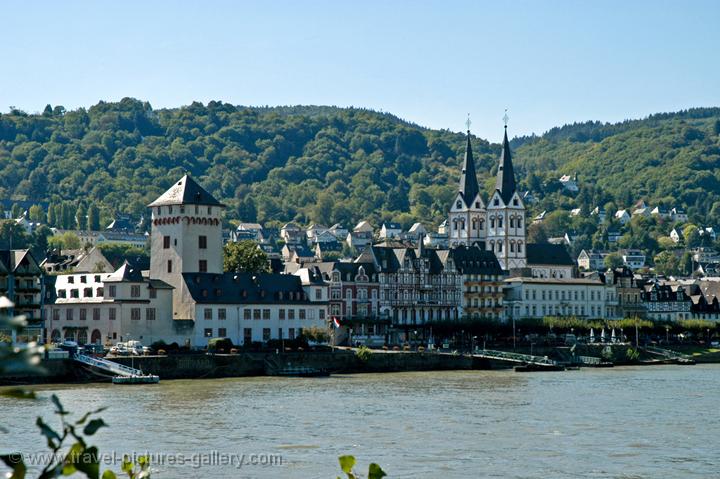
point(541, 253)
point(505, 183)
point(391, 226)
point(126, 273)
point(245, 288)
point(186, 192)
point(468, 179)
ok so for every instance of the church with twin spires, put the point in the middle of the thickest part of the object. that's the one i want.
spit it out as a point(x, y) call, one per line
point(500, 224)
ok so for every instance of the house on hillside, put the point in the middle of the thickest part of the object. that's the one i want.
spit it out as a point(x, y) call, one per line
point(622, 217)
point(633, 258)
point(592, 260)
point(599, 213)
point(390, 230)
point(569, 183)
point(660, 212)
point(676, 235)
point(678, 215)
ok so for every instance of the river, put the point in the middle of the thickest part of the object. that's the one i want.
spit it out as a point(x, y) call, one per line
point(631, 422)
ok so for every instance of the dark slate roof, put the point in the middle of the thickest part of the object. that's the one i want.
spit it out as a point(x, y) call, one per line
point(505, 183)
point(468, 180)
point(186, 192)
point(18, 260)
point(245, 288)
point(473, 260)
point(392, 226)
point(126, 272)
point(541, 253)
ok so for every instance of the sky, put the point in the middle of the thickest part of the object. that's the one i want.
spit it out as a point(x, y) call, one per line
point(430, 62)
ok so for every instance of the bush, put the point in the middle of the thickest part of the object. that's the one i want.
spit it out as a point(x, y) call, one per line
point(363, 353)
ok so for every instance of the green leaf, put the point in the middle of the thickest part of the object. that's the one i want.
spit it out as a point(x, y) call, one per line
point(82, 420)
point(47, 431)
point(127, 465)
point(109, 475)
point(17, 393)
point(58, 406)
point(16, 463)
point(347, 463)
point(88, 463)
point(93, 426)
point(375, 472)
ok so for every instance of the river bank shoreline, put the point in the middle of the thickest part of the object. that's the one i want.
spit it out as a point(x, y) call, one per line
point(339, 361)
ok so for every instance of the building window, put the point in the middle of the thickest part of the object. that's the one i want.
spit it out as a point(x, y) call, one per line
point(111, 314)
point(321, 313)
point(56, 315)
point(291, 314)
point(150, 314)
point(256, 314)
point(266, 334)
point(169, 266)
point(496, 202)
point(135, 314)
point(246, 314)
point(135, 291)
point(318, 294)
point(281, 313)
point(222, 332)
point(222, 314)
point(153, 293)
point(291, 333)
point(88, 293)
point(266, 314)
point(247, 336)
point(301, 314)
point(202, 242)
point(208, 313)
point(208, 332)
point(71, 279)
point(203, 266)
point(96, 314)
point(112, 290)
point(166, 242)
point(83, 314)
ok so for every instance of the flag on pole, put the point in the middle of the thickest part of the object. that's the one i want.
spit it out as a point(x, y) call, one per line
point(336, 322)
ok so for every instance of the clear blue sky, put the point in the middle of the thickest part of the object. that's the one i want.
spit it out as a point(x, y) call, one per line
point(430, 62)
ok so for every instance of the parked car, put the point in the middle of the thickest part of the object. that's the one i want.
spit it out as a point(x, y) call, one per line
point(120, 349)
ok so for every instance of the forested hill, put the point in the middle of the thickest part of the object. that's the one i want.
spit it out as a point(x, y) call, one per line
point(319, 163)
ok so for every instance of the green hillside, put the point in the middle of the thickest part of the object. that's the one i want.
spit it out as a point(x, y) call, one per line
point(319, 163)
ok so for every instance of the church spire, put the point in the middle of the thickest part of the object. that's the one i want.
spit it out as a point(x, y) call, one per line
point(505, 183)
point(468, 180)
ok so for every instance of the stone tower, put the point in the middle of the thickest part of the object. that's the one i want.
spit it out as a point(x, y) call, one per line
point(506, 232)
point(186, 235)
point(466, 220)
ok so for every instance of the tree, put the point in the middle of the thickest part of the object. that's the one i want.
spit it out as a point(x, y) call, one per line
point(536, 234)
point(81, 217)
point(37, 214)
point(51, 216)
point(12, 235)
point(613, 261)
point(16, 211)
point(667, 263)
point(245, 256)
point(67, 240)
point(93, 217)
point(666, 243)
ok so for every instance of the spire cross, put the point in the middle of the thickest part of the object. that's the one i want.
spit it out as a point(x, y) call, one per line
point(468, 122)
point(505, 118)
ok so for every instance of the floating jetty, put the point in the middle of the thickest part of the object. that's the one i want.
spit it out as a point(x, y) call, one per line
point(119, 373)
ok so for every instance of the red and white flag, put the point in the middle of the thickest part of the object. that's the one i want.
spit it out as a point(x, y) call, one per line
point(336, 322)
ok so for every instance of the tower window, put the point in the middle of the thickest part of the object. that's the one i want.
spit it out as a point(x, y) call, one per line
point(169, 266)
point(519, 223)
point(492, 222)
point(166, 242)
point(203, 266)
point(499, 247)
point(512, 222)
point(500, 222)
point(496, 202)
point(209, 210)
point(515, 202)
point(458, 205)
point(202, 242)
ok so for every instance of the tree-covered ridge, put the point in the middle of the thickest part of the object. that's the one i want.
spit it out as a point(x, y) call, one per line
point(329, 164)
point(303, 163)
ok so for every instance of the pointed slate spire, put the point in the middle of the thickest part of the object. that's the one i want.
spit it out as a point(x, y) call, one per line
point(505, 183)
point(468, 180)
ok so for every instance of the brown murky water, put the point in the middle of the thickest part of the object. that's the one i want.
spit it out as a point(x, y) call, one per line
point(644, 422)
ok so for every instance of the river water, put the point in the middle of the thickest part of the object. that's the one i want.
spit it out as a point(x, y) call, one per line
point(631, 422)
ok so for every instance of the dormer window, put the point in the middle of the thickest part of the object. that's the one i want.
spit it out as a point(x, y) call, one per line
point(496, 202)
point(477, 204)
point(458, 205)
point(515, 202)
